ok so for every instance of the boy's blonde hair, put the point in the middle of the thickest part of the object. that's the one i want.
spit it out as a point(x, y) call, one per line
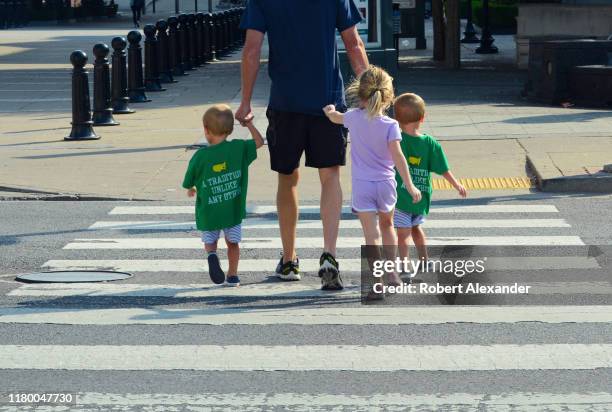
point(409, 108)
point(375, 88)
point(219, 120)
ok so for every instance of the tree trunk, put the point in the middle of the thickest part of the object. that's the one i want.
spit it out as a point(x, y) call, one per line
point(439, 23)
point(453, 35)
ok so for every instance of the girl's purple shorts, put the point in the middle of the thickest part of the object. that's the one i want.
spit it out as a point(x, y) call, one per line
point(370, 196)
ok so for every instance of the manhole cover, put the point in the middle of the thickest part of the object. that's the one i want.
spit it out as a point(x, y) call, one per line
point(75, 276)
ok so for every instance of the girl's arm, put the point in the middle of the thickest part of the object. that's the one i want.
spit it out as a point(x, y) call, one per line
point(402, 168)
point(450, 178)
point(333, 115)
point(259, 141)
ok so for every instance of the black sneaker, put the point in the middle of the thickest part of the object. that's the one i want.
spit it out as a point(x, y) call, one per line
point(329, 273)
point(288, 270)
point(214, 269)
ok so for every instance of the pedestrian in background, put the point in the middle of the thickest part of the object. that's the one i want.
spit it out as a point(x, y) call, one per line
point(136, 6)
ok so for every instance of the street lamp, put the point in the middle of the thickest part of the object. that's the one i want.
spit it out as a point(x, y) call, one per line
point(486, 40)
point(470, 32)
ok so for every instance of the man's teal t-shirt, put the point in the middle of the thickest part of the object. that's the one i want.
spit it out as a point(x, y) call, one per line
point(220, 174)
point(424, 155)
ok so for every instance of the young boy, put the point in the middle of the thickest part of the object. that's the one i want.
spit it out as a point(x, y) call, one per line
point(219, 175)
point(424, 155)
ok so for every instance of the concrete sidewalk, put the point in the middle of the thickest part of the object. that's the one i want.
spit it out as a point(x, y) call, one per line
point(486, 129)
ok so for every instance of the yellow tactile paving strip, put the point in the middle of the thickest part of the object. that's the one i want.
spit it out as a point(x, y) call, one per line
point(486, 183)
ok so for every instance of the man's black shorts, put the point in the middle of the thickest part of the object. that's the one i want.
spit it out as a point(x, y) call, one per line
point(291, 134)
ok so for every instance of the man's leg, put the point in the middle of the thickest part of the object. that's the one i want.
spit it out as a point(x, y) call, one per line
point(287, 207)
point(331, 206)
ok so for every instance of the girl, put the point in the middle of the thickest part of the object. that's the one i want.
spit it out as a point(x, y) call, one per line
point(375, 150)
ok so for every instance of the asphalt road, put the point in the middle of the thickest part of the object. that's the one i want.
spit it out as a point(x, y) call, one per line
point(275, 346)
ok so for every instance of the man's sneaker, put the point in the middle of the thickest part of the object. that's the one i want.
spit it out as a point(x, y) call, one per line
point(329, 274)
point(233, 281)
point(214, 269)
point(289, 270)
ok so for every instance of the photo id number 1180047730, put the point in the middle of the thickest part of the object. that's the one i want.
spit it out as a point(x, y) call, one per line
point(39, 398)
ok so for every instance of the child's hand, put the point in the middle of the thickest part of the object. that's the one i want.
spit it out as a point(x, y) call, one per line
point(248, 121)
point(415, 193)
point(462, 191)
point(191, 192)
point(330, 108)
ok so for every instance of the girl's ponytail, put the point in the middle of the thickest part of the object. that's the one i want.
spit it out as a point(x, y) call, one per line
point(374, 89)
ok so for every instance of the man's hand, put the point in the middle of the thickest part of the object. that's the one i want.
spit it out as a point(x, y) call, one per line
point(191, 192)
point(244, 114)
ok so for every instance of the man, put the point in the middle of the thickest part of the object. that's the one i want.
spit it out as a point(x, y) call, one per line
point(305, 73)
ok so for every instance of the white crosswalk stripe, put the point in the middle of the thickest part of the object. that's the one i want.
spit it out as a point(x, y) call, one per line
point(410, 315)
point(259, 223)
point(307, 265)
point(316, 242)
point(267, 209)
point(307, 357)
point(143, 302)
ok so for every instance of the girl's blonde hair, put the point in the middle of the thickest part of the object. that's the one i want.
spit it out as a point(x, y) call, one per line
point(374, 88)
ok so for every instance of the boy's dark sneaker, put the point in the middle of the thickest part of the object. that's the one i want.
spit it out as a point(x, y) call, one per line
point(214, 269)
point(233, 281)
point(329, 273)
point(289, 270)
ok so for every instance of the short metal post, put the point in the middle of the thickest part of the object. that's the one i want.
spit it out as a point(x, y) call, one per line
point(103, 109)
point(82, 126)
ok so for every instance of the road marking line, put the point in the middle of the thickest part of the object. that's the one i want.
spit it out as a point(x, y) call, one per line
point(260, 223)
point(432, 401)
point(308, 357)
point(274, 290)
point(315, 242)
point(363, 315)
point(269, 209)
point(306, 265)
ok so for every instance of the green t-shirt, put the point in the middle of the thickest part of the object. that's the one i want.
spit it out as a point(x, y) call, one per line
point(220, 174)
point(424, 155)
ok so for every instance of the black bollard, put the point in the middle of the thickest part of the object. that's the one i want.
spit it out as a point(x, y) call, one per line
point(136, 90)
point(120, 96)
point(242, 32)
point(175, 48)
point(103, 109)
point(185, 36)
point(201, 30)
point(218, 35)
point(209, 42)
point(152, 81)
point(163, 53)
point(225, 31)
point(486, 40)
point(3, 14)
point(235, 28)
point(194, 58)
point(82, 126)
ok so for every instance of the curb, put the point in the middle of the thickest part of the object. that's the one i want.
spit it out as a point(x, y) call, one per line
point(22, 194)
point(600, 183)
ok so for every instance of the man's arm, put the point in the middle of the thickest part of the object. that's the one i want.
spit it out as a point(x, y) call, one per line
point(355, 50)
point(250, 67)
